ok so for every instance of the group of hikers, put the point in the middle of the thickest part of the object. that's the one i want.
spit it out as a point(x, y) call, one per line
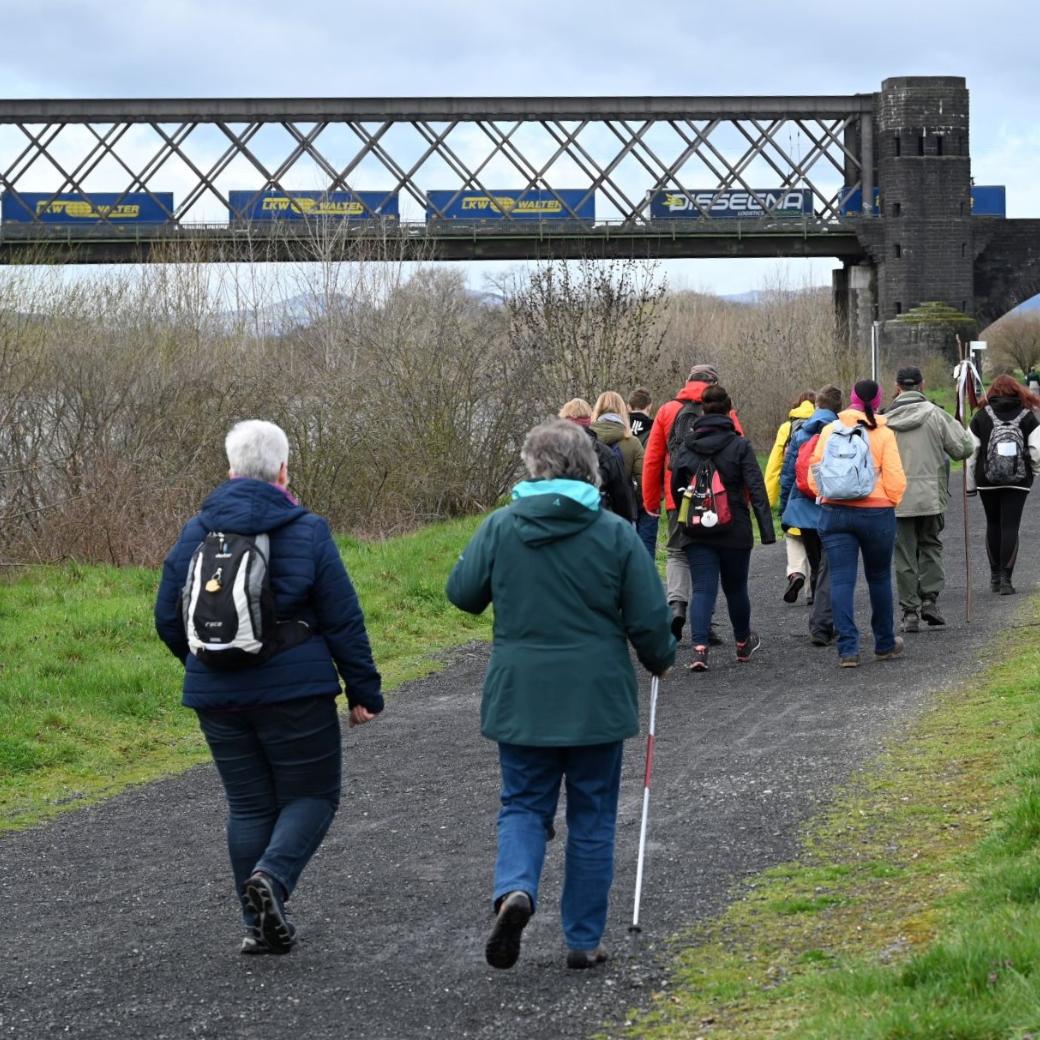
point(256, 603)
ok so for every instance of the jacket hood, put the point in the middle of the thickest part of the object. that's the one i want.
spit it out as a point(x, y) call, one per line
point(693, 391)
point(820, 417)
point(711, 433)
point(802, 411)
point(1007, 407)
point(246, 506)
point(908, 411)
point(546, 511)
point(851, 416)
point(608, 431)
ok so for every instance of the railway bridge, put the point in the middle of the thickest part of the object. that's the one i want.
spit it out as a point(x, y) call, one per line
point(880, 180)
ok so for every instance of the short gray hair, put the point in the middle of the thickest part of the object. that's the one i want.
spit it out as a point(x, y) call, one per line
point(256, 448)
point(557, 448)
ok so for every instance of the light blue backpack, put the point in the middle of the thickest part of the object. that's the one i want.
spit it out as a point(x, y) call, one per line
point(846, 469)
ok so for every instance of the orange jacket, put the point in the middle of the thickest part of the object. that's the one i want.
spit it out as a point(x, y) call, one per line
point(657, 476)
point(891, 481)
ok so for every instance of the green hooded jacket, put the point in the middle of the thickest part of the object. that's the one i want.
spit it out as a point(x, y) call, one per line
point(631, 448)
point(571, 585)
point(926, 437)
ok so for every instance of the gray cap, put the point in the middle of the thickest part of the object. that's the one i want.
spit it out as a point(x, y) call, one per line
point(703, 374)
point(909, 376)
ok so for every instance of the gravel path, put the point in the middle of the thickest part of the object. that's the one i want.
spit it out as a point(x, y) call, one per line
point(118, 921)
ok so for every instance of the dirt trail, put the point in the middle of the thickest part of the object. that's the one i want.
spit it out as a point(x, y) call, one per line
point(118, 921)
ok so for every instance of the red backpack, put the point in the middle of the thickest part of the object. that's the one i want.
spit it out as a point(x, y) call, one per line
point(801, 466)
point(705, 502)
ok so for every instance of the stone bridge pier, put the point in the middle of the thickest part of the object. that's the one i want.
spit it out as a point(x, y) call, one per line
point(931, 269)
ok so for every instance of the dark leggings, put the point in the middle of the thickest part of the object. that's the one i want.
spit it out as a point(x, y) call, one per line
point(1003, 508)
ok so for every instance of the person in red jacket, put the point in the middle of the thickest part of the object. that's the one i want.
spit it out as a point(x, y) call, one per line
point(657, 483)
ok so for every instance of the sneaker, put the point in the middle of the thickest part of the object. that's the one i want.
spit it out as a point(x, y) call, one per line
point(852, 661)
point(888, 655)
point(263, 898)
point(930, 614)
point(794, 586)
point(678, 619)
point(578, 959)
point(911, 621)
point(503, 945)
point(714, 639)
point(700, 659)
point(748, 647)
point(254, 942)
point(1006, 588)
point(821, 638)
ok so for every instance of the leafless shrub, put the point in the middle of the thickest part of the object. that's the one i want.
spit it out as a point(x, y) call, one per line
point(405, 395)
point(1014, 342)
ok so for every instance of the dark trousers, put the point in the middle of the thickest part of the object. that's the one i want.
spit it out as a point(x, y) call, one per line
point(1003, 508)
point(708, 566)
point(821, 618)
point(646, 528)
point(531, 779)
point(281, 769)
point(847, 532)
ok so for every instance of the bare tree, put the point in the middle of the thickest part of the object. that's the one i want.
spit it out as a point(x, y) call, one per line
point(591, 325)
point(1014, 341)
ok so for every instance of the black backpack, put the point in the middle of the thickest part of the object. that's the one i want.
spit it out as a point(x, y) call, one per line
point(227, 604)
point(681, 427)
point(616, 491)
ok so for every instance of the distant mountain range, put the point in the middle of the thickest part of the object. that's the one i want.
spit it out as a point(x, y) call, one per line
point(297, 311)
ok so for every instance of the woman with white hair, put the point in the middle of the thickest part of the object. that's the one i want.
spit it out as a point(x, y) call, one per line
point(266, 703)
point(572, 585)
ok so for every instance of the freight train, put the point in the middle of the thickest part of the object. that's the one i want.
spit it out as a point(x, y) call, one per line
point(448, 206)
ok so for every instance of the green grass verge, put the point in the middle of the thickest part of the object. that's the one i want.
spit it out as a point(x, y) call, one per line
point(90, 699)
point(913, 911)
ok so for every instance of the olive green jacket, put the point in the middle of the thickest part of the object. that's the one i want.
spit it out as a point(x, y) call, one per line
point(571, 586)
point(631, 448)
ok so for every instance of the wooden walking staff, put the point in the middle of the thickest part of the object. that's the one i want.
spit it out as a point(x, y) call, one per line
point(965, 375)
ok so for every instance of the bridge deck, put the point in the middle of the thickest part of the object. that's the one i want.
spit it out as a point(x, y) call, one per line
point(543, 240)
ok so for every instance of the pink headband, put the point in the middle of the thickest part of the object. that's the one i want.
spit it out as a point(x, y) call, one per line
point(855, 401)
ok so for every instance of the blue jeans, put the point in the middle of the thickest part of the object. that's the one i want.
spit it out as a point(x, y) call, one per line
point(281, 767)
point(846, 532)
point(646, 528)
point(531, 778)
point(709, 564)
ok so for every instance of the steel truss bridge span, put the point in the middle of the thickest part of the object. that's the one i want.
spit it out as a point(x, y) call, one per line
point(617, 152)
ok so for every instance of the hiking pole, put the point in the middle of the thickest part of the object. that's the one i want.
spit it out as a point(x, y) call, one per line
point(963, 375)
point(655, 686)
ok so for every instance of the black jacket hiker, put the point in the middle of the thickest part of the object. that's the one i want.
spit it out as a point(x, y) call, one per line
point(715, 437)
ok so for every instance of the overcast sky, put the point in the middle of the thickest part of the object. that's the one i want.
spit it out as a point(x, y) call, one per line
point(225, 48)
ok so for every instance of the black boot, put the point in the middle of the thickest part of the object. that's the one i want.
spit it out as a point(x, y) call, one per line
point(994, 581)
point(678, 618)
point(1006, 588)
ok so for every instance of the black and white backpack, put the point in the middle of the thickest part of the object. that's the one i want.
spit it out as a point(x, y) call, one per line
point(227, 603)
point(1006, 451)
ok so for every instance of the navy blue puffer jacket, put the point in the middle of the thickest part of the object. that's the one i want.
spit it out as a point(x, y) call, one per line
point(309, 583)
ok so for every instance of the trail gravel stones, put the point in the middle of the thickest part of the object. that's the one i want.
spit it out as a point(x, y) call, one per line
point(119, 922)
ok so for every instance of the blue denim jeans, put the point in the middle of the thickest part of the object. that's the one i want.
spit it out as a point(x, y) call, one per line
point(646, 528)
point(708, 565)
point(531, 778)
point(281, 767)
point(847, 532)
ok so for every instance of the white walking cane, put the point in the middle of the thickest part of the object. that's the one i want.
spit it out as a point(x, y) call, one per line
point(655, 685)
